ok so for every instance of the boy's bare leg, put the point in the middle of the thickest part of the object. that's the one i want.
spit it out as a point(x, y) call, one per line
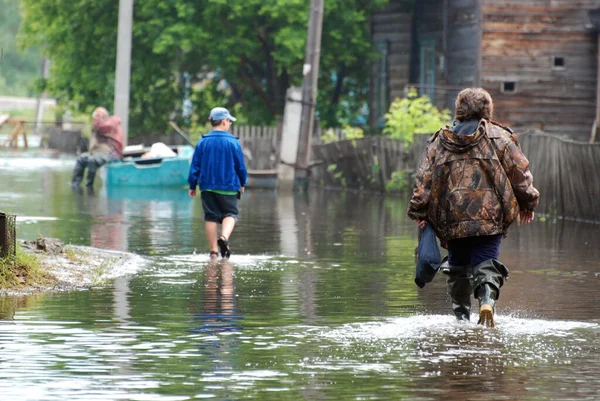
point(228, 226)
point(212, 231)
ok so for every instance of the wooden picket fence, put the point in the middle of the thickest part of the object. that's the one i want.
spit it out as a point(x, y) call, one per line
point(567, 174)
point(254, 132)
point(264, 132)
point(260, 144)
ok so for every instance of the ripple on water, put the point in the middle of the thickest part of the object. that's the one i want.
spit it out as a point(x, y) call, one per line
point(425, 326)
point(21, 164)
point(184, 264)
point(433, 340)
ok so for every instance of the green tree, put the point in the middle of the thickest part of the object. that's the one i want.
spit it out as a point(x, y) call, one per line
point(244, 53)
point(80, 39)
point(414, 115)
point(19, 69)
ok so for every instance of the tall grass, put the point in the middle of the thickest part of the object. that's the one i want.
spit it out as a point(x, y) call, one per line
point(24, 269)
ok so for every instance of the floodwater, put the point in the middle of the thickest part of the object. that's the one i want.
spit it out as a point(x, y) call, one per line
point(316, 303)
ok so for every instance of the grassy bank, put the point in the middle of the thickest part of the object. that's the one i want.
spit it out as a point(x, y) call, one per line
point(23, 270)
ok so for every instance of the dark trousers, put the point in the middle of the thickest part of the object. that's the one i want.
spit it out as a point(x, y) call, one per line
point(473, 250)
point(477, 259)
point(91, 161)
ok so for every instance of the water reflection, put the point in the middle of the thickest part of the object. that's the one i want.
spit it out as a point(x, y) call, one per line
point(141, 219)
point(218, 311)
point(217, 323)
point(316, 302)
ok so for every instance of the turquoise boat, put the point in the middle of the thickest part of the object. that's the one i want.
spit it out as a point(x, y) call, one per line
point(135, 170)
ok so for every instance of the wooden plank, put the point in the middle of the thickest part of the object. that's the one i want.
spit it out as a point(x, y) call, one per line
point(536, 6)
point(397, 35)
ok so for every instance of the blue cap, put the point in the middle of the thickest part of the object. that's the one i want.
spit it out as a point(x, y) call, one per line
point(221, 113)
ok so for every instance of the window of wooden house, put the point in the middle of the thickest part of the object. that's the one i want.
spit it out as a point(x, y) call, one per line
point(381, 87)
point(558, 63)
point(427, 72)
point(509, 87)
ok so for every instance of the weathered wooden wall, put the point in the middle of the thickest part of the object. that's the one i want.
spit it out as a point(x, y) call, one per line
point(566, 174)
point(259, 144)
point(520, 39)
point(564, 170)
point(429, 25)
point(393, 26)
point(454, 25)
point(366, 163)
point(463, 23)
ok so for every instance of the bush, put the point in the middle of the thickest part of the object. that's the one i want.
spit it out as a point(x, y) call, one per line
point(414, 115)
point(348, 132)
point(399, 182)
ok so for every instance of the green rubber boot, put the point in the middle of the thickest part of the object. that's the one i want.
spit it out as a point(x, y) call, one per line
point(460, 288)
point(487, 295)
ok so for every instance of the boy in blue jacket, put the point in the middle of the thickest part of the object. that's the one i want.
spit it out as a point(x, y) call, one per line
point(219, 170)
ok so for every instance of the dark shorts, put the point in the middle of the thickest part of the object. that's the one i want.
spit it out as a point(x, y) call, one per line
point(217, 207)
point(473, 250)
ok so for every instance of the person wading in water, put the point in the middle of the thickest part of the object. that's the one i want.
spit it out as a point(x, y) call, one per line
point(107, 146)
point(219, 170)
point(471, 184)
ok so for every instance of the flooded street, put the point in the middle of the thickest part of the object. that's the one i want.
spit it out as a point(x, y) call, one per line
point(316, 303)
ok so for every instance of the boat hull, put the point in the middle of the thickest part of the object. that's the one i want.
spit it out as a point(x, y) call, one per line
point(166, 172)
point(150, 172)
point(262, 179)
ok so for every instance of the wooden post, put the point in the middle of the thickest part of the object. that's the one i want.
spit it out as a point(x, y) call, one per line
point(595, 21)
point(123, 67)
point(309, 88)
point(597, 120)
point(3, 239)
point(479, 51)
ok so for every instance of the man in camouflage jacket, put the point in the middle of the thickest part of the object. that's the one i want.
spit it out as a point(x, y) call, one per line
point(472, 183)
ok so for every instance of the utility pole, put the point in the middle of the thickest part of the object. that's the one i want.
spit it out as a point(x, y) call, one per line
point(123, 68)
point(39, 107)
point(309, 89)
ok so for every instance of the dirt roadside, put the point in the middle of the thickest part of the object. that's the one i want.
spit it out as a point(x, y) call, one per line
point(73, 267)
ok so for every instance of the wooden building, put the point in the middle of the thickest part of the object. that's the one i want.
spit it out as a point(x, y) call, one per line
point(537, 58)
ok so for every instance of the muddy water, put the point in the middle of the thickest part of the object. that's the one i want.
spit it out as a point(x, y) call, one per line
point(316, 303)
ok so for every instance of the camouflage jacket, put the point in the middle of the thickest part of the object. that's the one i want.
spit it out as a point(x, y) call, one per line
point(472, 185)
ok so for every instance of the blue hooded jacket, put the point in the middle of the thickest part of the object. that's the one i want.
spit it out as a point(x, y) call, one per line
point(218, 163)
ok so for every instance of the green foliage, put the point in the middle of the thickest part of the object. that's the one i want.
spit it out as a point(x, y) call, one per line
point(350, 133)
point(244, 53)
point(329, 136)
point(19, 69)
point(398, 182)
point(414, 115)
point(338, 174)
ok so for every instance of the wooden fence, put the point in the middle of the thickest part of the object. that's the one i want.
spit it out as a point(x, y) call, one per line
point(254, 132)
point(366, 163)
point(261, 132)
point(567, 174)
point(261, 144)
